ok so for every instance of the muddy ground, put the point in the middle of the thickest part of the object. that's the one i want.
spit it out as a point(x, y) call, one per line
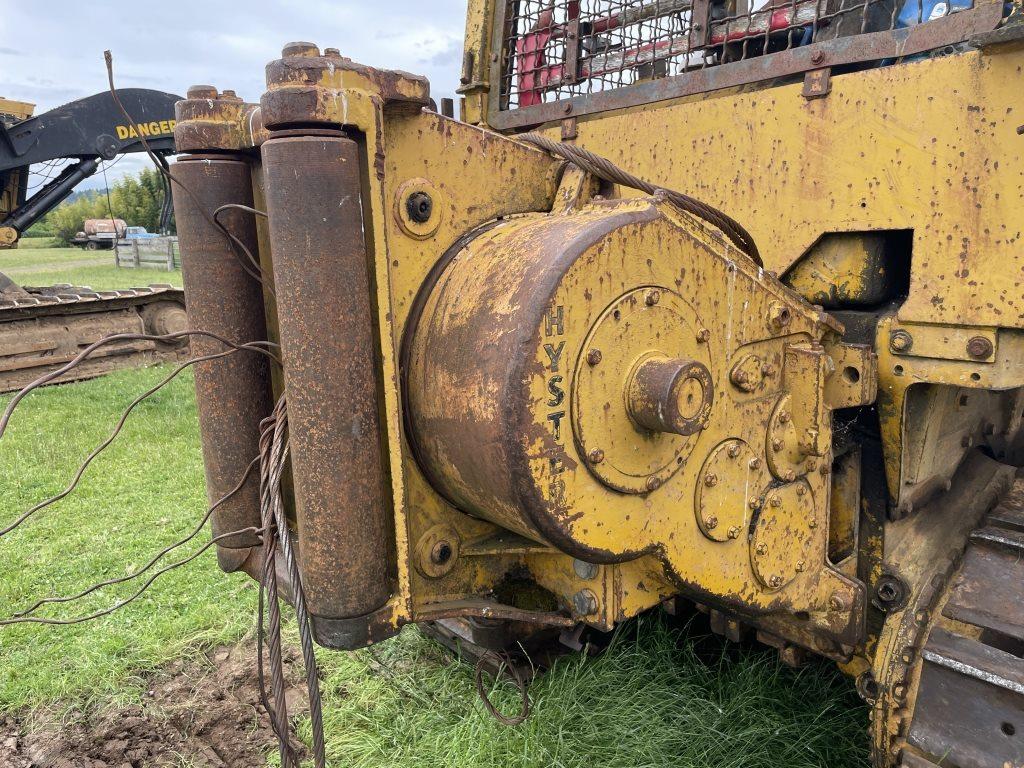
point(204, 713)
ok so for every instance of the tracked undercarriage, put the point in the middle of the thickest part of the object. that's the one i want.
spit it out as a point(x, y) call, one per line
point(695, 301)
point(41, 329)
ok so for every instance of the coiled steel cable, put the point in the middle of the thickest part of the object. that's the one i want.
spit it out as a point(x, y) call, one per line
point(607, 170)
point(274, 457)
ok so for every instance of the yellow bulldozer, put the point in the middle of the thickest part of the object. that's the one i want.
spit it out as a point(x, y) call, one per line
point(696, 302)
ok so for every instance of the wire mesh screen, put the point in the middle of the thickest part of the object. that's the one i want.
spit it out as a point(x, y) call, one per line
point(556, 49)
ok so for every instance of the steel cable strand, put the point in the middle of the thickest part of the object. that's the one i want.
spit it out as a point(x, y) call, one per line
point(138, 593)
point(279, 712)
point(505, 662)
point(156, 558)
point(605, 169)
point(254, 346)
point(302, 616)
point(256, 271)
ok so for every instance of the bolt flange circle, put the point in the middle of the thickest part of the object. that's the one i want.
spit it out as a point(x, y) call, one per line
point(723, 484)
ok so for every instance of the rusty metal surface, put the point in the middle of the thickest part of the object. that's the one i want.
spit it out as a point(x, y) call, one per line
point(43, 328)
point(733, 57)
point(302, 87)
point(325, 314)
point(927, 553)
point(233, 393)
point(970, 703)
point(488, 609)
point(212, 120)
point(671, 395)
point(517, 404)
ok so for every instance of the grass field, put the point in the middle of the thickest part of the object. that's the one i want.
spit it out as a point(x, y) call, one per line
point(36, 262)
point(658, 697)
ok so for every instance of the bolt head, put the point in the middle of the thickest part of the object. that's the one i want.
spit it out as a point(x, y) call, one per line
point(594, 357)
point(783, 417)
point(653, 483)
point(201, 92)
point(837, 602)
point(775, 581)
point(777, 445)
point(734, 451)
point(979, 347)
point(710, 479)
point(900, 341)
point(711, 523)
point(800, 566)
point(584, 570)
point(753, 502)
point(300, 49)
point(734, 532)
point(789, 476)
point(584, 602)
point(596, 456)
point(754, 463)
point(812, 523)
point(775, 501)
point(653, 297)
point(419, 206)
point(703, 336)
point(761, 549)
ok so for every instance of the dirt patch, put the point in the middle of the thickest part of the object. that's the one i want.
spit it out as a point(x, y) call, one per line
point(204, 713)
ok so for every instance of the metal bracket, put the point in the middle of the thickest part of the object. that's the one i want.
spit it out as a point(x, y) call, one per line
point(569, 131)
point(818, 83)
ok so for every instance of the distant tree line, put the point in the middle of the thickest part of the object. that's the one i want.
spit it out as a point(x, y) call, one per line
point(136, 199)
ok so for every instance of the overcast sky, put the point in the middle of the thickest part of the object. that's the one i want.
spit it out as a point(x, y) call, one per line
point(51, 51)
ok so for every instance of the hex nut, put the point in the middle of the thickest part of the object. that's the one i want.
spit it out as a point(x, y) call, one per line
point(900, 341)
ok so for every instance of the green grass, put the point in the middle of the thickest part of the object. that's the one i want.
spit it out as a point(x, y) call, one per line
point(36, 242)
point(48, 266)
point(657, 697)
point(141, 495)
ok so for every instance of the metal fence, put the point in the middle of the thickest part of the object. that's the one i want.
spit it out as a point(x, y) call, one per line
point(555, 50)
point(153, 253)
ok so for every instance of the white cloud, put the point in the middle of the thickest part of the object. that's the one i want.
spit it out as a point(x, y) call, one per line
point(215, 42)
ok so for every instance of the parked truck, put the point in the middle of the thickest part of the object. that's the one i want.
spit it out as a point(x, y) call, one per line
point(100, 233)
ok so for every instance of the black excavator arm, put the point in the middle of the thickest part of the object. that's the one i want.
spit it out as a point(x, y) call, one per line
point(89, 130)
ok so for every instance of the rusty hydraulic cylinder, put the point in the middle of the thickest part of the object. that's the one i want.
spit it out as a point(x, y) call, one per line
point(233, 393)
point(325, 317)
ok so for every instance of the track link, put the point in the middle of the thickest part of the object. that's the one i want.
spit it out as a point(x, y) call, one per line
point(969, 706)
point(41, 329)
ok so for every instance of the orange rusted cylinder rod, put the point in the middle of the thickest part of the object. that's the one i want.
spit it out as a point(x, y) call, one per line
point(325, 316)
point(233, 393)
